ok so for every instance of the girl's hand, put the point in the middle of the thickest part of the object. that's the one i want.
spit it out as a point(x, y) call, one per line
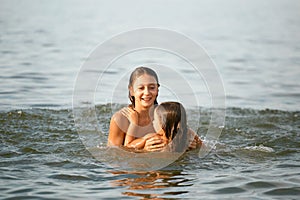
point(131, 115)
point(193, 144)
point(155, 143)
point(194, 140)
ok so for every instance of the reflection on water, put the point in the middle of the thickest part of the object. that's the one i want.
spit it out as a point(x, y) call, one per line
point(132, 160)
point(42, 157)
point(148, 184)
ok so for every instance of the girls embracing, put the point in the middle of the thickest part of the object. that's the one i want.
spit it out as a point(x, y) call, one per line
point(146, 125)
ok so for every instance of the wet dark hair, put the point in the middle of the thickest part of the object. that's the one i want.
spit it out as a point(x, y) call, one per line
point(137, 73)
point(172, 116)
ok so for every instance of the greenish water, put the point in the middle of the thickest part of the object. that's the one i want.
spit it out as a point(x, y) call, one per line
point(257, 156)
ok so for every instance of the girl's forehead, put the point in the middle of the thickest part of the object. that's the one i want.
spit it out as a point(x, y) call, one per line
point(145, 79)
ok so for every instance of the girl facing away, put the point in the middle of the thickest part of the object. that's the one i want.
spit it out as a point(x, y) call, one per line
point(170, 124)
point(129, 125)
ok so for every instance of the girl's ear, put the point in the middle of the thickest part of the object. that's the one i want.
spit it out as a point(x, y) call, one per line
point(130, 88)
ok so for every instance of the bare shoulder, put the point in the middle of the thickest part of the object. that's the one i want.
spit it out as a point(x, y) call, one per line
point(120, 119)
point(118, 116)
point(117, 129)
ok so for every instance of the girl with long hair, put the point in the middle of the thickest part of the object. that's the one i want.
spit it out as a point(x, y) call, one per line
point(170, 124)
point(130, 124)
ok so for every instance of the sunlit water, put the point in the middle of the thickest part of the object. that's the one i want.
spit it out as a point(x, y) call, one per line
point(256, 48)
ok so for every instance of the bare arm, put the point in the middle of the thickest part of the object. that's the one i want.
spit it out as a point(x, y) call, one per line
point(139, 143)
point(150, 142)
point(116, 135)
point(132, 116)
point(155, 143)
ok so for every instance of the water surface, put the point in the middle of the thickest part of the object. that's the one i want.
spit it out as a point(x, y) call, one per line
point(255, 46)
point(257, 157)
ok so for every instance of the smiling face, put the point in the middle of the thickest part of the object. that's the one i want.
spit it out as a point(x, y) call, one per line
point(144, 90)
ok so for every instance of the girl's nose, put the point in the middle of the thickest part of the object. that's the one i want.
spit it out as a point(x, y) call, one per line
point(146, 90)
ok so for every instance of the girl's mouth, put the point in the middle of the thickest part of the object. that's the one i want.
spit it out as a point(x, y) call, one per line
point(147, 99)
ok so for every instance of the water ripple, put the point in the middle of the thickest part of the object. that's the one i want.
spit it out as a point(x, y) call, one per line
point(69, 177)
point(295, 191)
point(41, 148)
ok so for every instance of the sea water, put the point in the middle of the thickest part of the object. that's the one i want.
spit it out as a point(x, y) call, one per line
point(255, 46)
point(257, 156)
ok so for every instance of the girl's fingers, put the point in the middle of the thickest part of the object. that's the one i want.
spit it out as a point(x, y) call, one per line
point(154, 140)
point(193, 144)
point(125, 112)
point(156, 147)
point(154, 144)
point(128, 110)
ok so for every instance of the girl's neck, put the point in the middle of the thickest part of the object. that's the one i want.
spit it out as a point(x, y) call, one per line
point(145, 112)
point(145, 115)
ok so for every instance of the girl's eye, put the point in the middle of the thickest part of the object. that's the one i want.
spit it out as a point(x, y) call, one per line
point(150, 87)
point(153, 87)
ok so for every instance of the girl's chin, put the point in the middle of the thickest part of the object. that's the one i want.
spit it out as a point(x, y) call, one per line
point(147, 103)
